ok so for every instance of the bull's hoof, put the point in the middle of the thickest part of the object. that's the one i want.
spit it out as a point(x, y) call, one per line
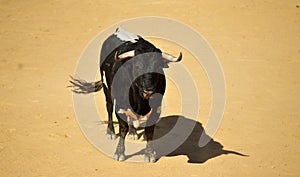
point(119, 157)
point(150, 155)
point(120, 151)
point(110, 135)
point(133, 136)
point(151, 158)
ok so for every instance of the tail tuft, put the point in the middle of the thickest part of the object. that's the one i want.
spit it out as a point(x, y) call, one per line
point(83, 87)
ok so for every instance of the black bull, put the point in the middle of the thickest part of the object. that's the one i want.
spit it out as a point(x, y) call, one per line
point(135, 82)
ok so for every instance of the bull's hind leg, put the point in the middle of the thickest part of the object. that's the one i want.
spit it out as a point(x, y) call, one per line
point(110, 132)
point(123, 129)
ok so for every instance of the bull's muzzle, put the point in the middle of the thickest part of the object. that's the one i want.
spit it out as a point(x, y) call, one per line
point(147, 94)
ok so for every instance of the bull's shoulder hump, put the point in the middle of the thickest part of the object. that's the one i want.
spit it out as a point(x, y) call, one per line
point(124, 35)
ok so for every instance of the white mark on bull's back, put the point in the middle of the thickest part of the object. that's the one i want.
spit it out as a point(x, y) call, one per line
point(125, 35)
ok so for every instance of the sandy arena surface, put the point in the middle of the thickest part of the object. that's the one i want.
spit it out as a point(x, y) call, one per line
point(257, 43)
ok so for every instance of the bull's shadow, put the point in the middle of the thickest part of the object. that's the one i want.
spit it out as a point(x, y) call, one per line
point(187, 146)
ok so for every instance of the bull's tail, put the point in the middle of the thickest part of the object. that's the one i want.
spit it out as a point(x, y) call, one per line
point(83, 87)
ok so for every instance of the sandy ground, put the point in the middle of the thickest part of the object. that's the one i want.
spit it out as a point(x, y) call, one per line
point(258, 46)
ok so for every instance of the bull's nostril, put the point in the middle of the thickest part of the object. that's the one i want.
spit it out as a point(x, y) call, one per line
point(148, 92)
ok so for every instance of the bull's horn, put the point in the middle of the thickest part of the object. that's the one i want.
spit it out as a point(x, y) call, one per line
point(171, 58)
point(125, 55)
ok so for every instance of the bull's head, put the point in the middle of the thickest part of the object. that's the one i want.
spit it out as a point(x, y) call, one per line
point(148, 67)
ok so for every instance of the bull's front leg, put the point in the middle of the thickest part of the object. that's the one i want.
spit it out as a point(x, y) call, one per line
point(131, 117)
point(132, 134)
point(123, 129)
point(120, 151)
point(150, 154)
point(155, 104)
